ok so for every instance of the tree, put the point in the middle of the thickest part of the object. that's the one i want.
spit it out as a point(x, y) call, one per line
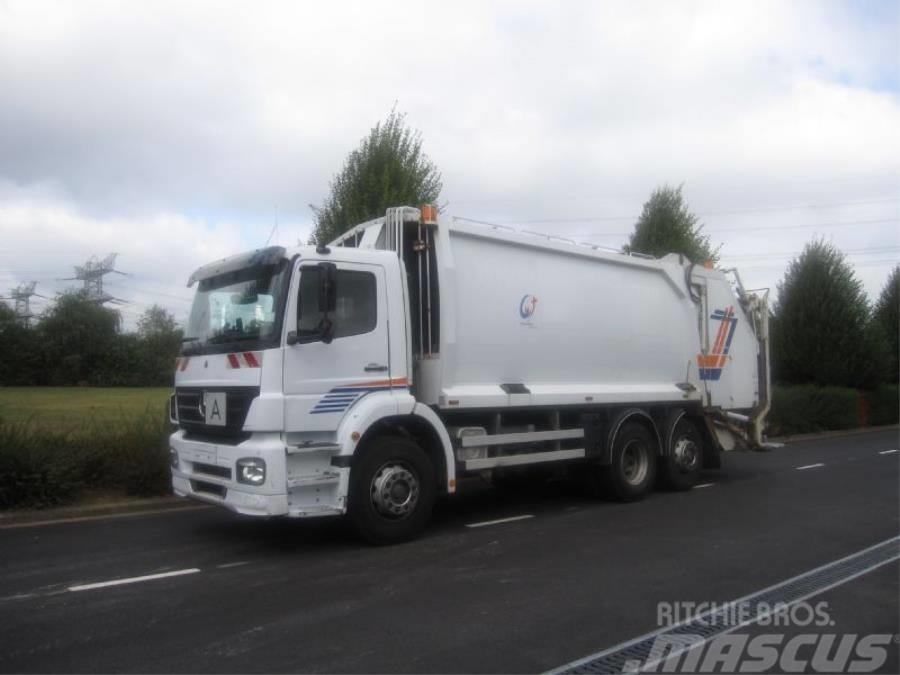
point(819, 330)
point(886, 319)
point(387, 169)
point(78, 335)
point(667, 226)
point(21, 359)
point(156, 320)
point(159, 341)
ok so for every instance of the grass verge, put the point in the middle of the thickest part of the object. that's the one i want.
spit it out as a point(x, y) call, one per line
point(46, 465)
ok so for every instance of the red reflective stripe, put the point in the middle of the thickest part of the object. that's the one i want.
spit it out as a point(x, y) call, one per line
point(251, 360)
point(233, 360)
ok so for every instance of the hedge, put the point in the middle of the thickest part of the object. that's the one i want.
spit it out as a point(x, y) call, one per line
point(884, 404)
point(42, 466)
point(808, 408)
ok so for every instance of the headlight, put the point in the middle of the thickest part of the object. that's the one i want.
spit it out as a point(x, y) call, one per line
point(173, 458)
point(251, 470)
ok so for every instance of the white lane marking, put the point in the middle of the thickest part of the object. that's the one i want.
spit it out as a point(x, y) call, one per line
point(809, 466)
point(703, 485)
point(225, 566)
point(499, 520)
point(887, 452)
point(133, 580)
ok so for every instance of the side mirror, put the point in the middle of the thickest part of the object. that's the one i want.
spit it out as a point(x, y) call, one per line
point(327, 288)
point(327, 300)
point(323, 279)
point(326, 330)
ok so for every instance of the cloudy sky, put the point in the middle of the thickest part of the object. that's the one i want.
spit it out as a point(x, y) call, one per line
point(176, 133)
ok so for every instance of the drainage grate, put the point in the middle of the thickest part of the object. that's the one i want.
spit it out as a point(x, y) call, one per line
point(727, 617)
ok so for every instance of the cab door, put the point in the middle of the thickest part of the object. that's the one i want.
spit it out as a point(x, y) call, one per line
point(323, 380)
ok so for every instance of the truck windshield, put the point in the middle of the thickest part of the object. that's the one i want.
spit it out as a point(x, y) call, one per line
point(240, 310)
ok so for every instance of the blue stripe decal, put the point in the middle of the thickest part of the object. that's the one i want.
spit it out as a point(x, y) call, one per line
point(340, 399)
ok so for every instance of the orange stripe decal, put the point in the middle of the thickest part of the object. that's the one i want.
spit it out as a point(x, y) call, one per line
point(395, 382)
point(720, 336)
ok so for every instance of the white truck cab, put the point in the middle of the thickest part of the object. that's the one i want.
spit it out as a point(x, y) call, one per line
point(364, 376)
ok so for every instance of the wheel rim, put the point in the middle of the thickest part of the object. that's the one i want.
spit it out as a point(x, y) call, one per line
point(394, 490)
point(686, 453)
point(635, 462)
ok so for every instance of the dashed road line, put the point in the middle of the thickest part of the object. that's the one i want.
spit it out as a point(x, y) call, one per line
point(703, 485)
point(225, 566)
point(888, 452)
point(809, 466)
point(500, 520)
point(133, 580)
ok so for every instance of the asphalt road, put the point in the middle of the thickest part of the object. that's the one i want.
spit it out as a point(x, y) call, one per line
point(526, 595)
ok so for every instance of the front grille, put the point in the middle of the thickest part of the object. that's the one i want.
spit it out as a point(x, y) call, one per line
point(208, 488)
point(212, 470)
point(237, 405)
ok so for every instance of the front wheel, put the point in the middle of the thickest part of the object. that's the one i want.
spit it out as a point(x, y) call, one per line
point(392, 491)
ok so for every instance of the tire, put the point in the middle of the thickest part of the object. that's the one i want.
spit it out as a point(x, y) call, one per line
point(392, 491)
point(680, 468)
point(632, 472)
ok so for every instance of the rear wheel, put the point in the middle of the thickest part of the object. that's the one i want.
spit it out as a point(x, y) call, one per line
point(392, 491)
point(684, 458)
point(632, 472)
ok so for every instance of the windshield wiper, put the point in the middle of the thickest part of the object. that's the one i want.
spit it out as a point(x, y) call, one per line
point(190, 339)
point(218, 339)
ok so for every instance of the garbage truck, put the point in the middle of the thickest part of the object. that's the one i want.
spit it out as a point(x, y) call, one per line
point(368, 376)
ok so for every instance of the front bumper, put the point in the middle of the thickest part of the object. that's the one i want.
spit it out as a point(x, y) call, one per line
point(297, 484)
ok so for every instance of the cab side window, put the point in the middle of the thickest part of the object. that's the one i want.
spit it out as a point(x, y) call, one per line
point(356, 310)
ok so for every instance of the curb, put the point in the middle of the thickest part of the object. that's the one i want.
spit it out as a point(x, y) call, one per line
point(120, 509)
point(833, 434)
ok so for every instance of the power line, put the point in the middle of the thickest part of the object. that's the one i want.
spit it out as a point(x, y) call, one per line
point(138, 289)
point(851, 252)
point(865, 263)
point(801, 226)
point(849, 223)
point(789, 207)
point(752, 228)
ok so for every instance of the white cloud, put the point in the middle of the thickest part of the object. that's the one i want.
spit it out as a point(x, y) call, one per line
point(176, 132)
point(43, 240)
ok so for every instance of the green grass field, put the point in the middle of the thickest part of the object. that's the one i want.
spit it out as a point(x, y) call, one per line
point(70, 407)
